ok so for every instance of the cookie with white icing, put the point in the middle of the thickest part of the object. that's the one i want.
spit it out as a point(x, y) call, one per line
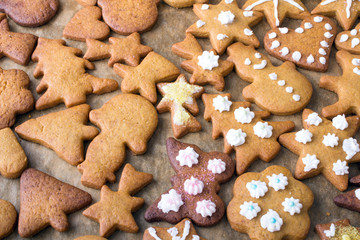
point(349, 200)
point(349, 40)
point(270, 205)
point(316, 32)
point(194, 187)
point(324, 147)
point(341, 229)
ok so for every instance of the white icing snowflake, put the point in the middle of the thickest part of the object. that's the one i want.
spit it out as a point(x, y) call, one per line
point(313, 119)
point(208, 60)
point(303, 136)
point(340, 168)
point(350, 147)
point(187, 157)
point(310, 162)
point(278, 181)
point(330, 140)
point(221, 103)
point(256, 189)
point(292, 205)
point(249, 210)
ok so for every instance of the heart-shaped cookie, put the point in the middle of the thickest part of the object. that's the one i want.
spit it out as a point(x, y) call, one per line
point(86, 24)
point(308, 46)
point(349, 40)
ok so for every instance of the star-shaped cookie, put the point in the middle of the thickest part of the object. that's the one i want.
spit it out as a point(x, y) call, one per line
point(276, 11)
point(178, 97)
point(114, 211)
point(243, 130)
point(346, 86)
point(205, 66)
point(345, 11)
point(128, 50)
point(341, 229)
point(325, 147)
point(225, 23)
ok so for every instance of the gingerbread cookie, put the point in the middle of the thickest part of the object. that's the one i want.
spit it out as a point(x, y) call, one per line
point(63, 132)
point(45, 201)
point(8, 217)
point(317, 32)
point(349, 200)
point(281, 90)
point(340, 230)
point(13, 160)
point(87, 2)
point(225, 23)
point(136, 15)
point(30, 13)
point(128, 50)
point(16, 46)
point(355, 180)
point(15, 96)
point(126, 120)
point(243, 130)
point(205, 66)
point(178, 97)
point(183, 3)
point(195, 186)
point(345, 12)
point(349, 40)
point(325, 147)
point(90, 237)
point(64, 75)
point(86, 24)
point(347, 86)
point(114, 211)
point(184, 230)
point(142, 78)
point(276, 11)
point(270, 205)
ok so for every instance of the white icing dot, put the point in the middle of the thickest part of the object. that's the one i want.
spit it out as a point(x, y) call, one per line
point(200, 23)
point(322, 51)
point(328, 26)
point(257, 55)
point(356, 71)
point(324, 44)
point(356, 61)
point(248, 32)
point(284, 51)
point(284, 30)
point(248, 13)
point(296, 97)
point(318, 19)
point(328, 35)
point(281, 83)
point(289, 89)
point(355, 42)
point(226, 17)
point(247, 61)
point(273, 76)
point(228, 1)
point(353, 32)
point(322, 60)
point(308, 25)
point(310, 59)
point(299, 30)
point(344, 38)
point(275, 44)
point(221, 36)
point(272, 35)
point(205, 7)
point(296, 56)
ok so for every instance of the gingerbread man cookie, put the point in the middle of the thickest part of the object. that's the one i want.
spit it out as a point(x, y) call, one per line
point(347, 86)
point(114, 210)
point(349, 40)
point(128, 50)
point(195, 186)
point(243, 130)
point(126, 120)
point(281, 90)
point(64, 75)
point(205, 66)
point(325, 147)
point(317, 32)
point(178, 97)
point(184, 3)
point(340, 230)
point(270, 205)
point(8, 216)
point(225, 23)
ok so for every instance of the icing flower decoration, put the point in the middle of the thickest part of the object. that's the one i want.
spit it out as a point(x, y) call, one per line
point(311, 162)
point(263, 130)
point(278, 182)
point(187, 157)
point(216, 166)
point(313, 119)
point(339, 122)
point(330, 140)
point(170, 202)
point(350, 147)
point(235, 137)
point(221, 103)
point(206, 208)
point(271, 221)
point(244, 115)
point(292, 205)
point(340, 167)
point(208, 60)
point(303, 136)
point(193, 186)
point(249, 210)
point(256, 189)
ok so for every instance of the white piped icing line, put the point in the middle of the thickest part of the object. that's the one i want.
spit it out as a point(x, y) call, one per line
point(193, 186)
point(248, 32)
point(357, 193)
point(330, 140)
point(303, 136)
point(256, 189)
point(284, 51)
point(152, 233)
point(271, 221)
point(278, 181)
point(174, 232)
point(208, 60)
point(263, 130)
point(170, 202)
point(205, 7)
point(350, 147)
point(260, 66)
point(310, 162)
point(340, 168)
point(331, 232)
point(248, 13)
point(313, 119)
point(249, 210)
point(187, 157)
point(216, 166)
point(292, 205)
point(200, 23)
point(221, 36)
point(244, 115)
point(226, 17)
point(235, 137)
point(221, 103)
point(205, 208)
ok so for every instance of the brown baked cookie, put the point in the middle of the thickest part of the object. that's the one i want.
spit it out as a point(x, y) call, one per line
point(355, 180)
point(30, 13)
point(184, 3)
point(8, 216)
point(13, 160)
point(63, 132)
point(127, 50)
point(184, 230)
point(178, 97)
point(86, 24)
point(345, 12)
point(136, 15)
point(15, 96)
point(195, 186)
point(45, 201)
point(114, 211)
point(317, 32)
point(205, 66)
point(87, 2)
point(65, 78)
point(243, 130)
point(225, 23)
point(126, 120)
point(347, 86)
point(142, 78)
point(340, 230)
point(349, 200)
point(349, 40)
point(276, 11)
point(16, 46)
point(325, 147)
point(281, 90)
point(270, 205)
